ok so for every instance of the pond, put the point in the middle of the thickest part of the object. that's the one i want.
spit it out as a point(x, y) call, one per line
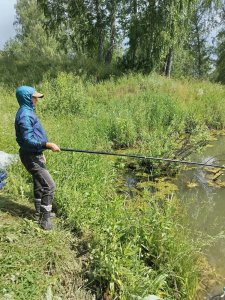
point(205, 189)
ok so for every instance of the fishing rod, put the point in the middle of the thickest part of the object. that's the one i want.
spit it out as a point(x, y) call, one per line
point(144, 157)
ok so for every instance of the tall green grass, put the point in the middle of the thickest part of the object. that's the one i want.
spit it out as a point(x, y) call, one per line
point(135, 246)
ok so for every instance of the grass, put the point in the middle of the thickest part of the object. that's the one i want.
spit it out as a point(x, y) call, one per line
point(135, 247)
point(35, 264)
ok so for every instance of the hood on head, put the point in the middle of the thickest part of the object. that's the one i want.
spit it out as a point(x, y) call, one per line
point(24, 96)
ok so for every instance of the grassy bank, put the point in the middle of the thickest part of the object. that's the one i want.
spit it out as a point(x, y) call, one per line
point(35, 264)
point(134, 247)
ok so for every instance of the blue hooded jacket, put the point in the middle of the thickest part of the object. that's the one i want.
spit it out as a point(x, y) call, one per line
point(30, 134)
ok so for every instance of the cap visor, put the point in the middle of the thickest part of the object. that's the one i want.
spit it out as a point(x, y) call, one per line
point(38, 95)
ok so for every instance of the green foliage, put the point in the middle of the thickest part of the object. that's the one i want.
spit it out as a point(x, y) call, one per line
point(193, 57)
point(220, 65)
point(135, 246)
point(121, 132)
point(32, 53)
point(154, 30)
point(68, 95)
point(105, 38)
point(88, 26)
point(139, 238)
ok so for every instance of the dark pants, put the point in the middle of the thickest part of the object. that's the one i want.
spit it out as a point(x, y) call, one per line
point(44, 185)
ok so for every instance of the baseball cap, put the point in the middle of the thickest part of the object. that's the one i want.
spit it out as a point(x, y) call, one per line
point(37, 95)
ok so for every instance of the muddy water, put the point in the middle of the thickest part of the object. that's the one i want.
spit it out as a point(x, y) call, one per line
point(206, 194)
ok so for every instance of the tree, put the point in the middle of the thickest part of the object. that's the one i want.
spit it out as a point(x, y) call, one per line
point(154, 31)
point(194, 55)
point(89, 24)
point(198, 42)
point(31, 53)
point(158, 35)
point(112, 8)
point(220, 51)
point(220, 64)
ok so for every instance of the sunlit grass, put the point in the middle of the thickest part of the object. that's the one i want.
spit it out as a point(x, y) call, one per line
point(135, 246)
point(35, 264)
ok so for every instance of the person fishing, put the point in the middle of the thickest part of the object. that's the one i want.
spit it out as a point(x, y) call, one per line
point(32, 140)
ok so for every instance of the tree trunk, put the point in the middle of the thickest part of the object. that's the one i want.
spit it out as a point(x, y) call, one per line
point(168, 63)
point(109, 53)
point(99, 30)
point(199, 70)
point(134, 42)
point(100, 48)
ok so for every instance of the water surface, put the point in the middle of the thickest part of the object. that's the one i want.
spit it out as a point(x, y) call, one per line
point(207, 198)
